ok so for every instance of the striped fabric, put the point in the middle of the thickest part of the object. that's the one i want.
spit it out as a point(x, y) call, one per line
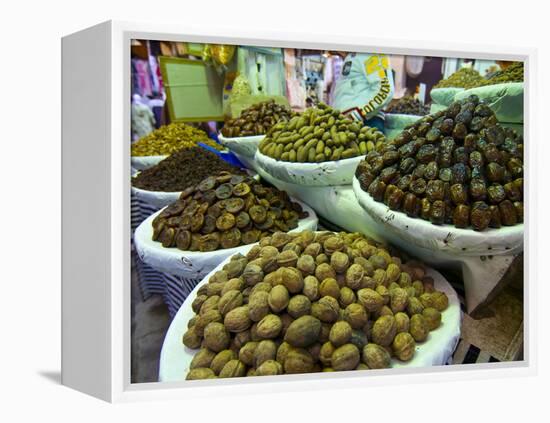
point(174, 289)
point(465, 352)
point(150, 281)
point(177, 290)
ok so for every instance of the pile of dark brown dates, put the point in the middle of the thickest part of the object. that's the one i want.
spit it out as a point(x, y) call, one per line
point(225, 211)
point(458, 166)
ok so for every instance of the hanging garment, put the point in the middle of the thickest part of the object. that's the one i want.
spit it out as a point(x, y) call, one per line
point(414, 65)
point(400, 75)
point(366, 85)
point(143, 78)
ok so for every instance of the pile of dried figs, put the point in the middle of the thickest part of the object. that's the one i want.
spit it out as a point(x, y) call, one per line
point(458, 166)
point(225, 211)
point(310, 302)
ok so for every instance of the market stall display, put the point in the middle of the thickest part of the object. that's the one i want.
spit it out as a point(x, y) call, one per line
point(458, 166)
point(156, 146)
point(312, 302)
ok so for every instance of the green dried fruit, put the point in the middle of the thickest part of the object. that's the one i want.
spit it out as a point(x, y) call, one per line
point(269, 368)
point(376, 357)
point(384, 330)
point(230, 300)
point(299, 305)
point(269, 327)
point(311, 288)
point(303, 331)
point(298, 360)
point(329, 287)
point(200, 373)
point(432, 317)
point(233, 368)
point(191, 339)
point(370, 299)
point(399, 299)
point(202, 359)
point(418, 328)
point(216, 337)
point(326, 309)
point(356, 315)
point(346, 357)
point(221, 359)
point(247, 352)
point(340, 333)
point(265, 350)
point(237, 320)
point(401, 322)
point(325, 354)
point(278, 298)
point(403, 346)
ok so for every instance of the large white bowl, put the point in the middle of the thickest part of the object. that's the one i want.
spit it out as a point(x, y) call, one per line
point(194, 264)
point(145, 162)
point(244, 146)
point(159, 199)
point(339, 172)
point(175, 358)
point(441, 238)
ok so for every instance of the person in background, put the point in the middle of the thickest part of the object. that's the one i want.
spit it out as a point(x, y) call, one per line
point(365, 87)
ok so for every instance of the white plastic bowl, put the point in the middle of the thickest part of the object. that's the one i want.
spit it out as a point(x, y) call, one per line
point(244, 146)
point(339, 172)
point(175, 358)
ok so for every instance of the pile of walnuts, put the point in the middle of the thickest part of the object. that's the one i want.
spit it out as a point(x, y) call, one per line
point(311, 302)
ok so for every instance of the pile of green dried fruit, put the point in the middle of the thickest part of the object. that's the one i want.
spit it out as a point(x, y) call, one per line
point(171, 138)
point(310, 302)
point(225, 211)
point(512, 73)
point(256, 120)
point(408, 106)
point(319, 135)
point(458, 166)
point(181, 170)
point(463, 78)
point(469, 78)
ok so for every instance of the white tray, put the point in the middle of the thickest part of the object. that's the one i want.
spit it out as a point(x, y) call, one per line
point(194, 264)
point(245, 146)
point(145, 162)
point(442, 238)
point(339, 172)
point(175, 358)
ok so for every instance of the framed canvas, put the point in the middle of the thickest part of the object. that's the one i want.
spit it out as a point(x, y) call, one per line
point(398, 258)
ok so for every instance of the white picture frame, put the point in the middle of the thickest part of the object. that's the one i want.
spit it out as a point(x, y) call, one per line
point(96, 188)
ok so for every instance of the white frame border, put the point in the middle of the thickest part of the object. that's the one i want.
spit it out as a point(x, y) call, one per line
point(120, 329)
